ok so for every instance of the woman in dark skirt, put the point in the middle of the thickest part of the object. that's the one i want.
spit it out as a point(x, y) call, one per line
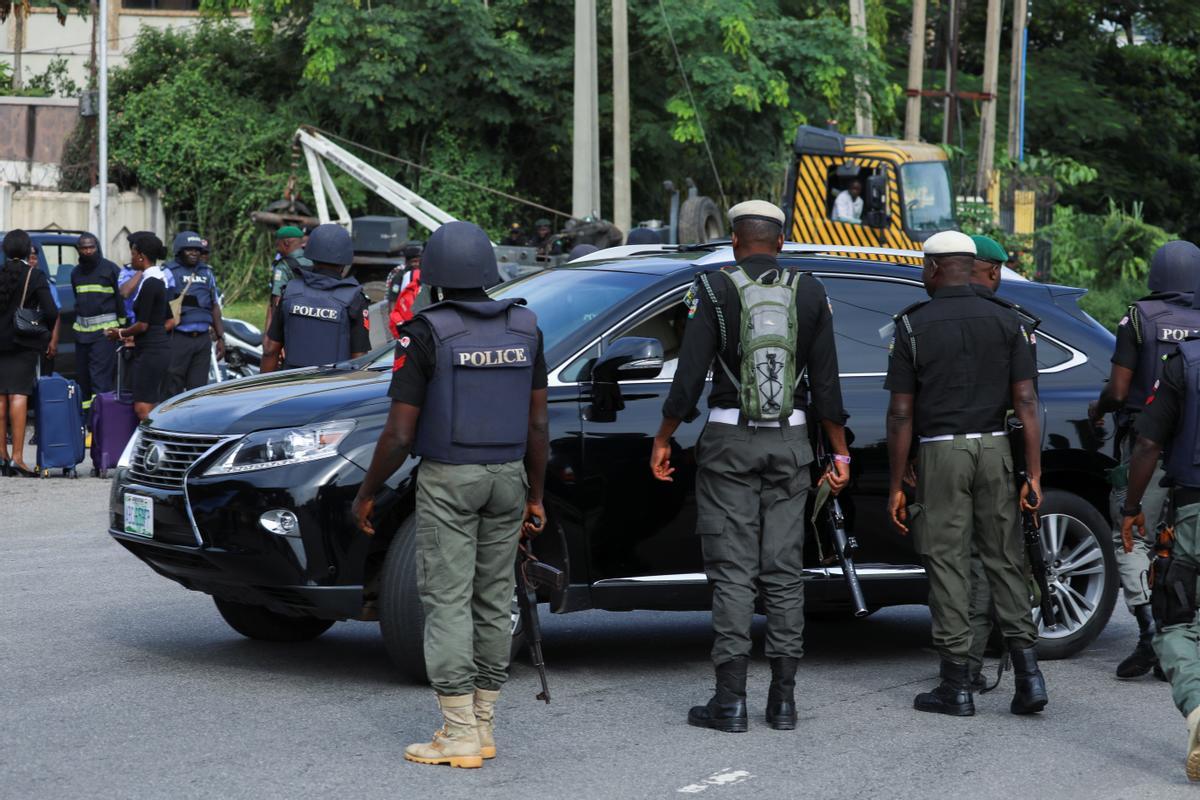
point(20, 287)
point(147, 339)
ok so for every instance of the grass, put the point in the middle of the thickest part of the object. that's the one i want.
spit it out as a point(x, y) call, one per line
point(252, 311)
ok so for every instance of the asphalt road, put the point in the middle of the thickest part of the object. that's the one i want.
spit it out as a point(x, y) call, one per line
point(117, 683)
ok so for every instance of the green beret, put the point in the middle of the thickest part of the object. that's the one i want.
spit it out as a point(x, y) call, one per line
point(988, 249)
point(289, 232)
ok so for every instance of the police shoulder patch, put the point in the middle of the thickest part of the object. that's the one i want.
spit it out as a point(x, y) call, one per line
point(692, 299)
point(403, 342)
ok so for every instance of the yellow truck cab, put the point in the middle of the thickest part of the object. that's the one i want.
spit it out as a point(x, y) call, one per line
point(867, 191)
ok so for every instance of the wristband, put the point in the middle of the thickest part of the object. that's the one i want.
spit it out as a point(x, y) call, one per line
point(841, 459)
point(1131, 512)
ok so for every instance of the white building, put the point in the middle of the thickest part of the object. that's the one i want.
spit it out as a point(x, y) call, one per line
point(46, 40)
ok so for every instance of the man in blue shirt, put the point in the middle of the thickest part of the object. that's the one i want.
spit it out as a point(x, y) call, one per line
point(199, 316)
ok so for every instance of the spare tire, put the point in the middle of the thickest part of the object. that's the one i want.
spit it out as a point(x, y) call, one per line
point(700, 221)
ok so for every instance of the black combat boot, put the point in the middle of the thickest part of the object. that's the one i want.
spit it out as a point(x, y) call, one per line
point(726, 711)
point(1142, 659)
point(1030, 697)
point(953, 694)
point(781, 697)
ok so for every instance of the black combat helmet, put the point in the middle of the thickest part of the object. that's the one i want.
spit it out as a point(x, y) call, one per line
point(1174, 268)
point(459, 255)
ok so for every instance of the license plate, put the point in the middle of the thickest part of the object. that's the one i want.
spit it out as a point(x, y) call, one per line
point(139, 515)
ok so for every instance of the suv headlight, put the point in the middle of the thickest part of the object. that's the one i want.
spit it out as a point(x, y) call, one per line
point(126, 459)
point(279, 448)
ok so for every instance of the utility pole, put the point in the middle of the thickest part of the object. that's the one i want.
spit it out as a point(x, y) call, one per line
point(991, 71)
point(102, 167)
point(585, 169)
point(622, 200)
point(864, 124)
point(916, 73)
point(1016, 90)
point(951, 106)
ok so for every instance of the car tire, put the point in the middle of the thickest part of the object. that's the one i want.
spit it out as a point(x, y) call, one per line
point(700, 221)
point(257, 622)
point(401, 617)
point(1081, 529)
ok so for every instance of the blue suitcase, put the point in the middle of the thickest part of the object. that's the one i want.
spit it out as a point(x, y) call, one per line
point(60, 425)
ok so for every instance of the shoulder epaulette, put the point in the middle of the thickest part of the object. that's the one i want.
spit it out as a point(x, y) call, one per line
point(909, 310)
point(1032, 320)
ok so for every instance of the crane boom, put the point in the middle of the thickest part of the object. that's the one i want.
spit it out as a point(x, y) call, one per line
point(317, 147)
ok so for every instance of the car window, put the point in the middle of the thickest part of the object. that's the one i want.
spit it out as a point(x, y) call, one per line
point(1050, 354)
point(862, 319)
point(567, 300)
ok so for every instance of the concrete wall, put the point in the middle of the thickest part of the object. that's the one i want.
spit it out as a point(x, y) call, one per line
point(73, 41)
point(33, 133)
point(127, 212)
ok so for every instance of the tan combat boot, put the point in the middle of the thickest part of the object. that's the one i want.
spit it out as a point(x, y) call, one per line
point(485, 711)
point(1193, 756)
point(457, 743)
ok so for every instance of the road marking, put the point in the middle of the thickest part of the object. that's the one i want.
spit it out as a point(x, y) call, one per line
point(726, 777)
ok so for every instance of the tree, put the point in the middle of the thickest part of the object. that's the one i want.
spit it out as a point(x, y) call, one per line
point(20, 12)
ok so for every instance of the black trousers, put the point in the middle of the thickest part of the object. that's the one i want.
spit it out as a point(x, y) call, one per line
point(189, 363)
point(95, 368)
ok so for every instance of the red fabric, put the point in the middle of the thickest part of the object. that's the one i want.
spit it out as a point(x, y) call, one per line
point(398, 364)
point(402, 311)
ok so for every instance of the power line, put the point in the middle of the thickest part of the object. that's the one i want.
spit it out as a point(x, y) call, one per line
point(88, 44)
point(695, 108)
point(446, 175)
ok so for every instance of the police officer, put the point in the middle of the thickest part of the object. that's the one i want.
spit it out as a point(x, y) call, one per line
point(322, 316)
point(959, 361)
point(753, 479)
point(289, 257)
point(482, 435)
point(199, 318)
point(1148, 333)
point(98, 305)
point(545, 239)
point(990, 257)
point(516, 236)
point(1173, 419)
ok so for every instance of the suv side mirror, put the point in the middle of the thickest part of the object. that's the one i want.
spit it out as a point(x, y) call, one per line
point(877, 192)
point(629, 359)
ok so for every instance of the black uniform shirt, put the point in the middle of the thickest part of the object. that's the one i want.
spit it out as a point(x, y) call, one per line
point(815, 347)
point(1164, 408)
point(969, 352)
point(360, 335)
point(415, 359)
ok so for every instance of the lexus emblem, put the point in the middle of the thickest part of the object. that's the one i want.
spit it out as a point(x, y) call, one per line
point(152, 458)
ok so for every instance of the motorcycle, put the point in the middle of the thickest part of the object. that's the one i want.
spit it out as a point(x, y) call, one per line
point(243, 352)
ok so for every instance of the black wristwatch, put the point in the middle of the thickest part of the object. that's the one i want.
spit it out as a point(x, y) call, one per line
point(1131, 512)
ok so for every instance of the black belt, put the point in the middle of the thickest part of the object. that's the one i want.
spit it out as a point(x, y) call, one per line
point(192, 334)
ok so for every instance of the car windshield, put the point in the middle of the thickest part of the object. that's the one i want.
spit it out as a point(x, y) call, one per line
point(927, 201)
point(565, 301)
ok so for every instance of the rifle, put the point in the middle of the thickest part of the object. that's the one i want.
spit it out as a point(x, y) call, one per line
point(530, 570)
point(1032, 528)
point(827, 506)
point(1163, 555)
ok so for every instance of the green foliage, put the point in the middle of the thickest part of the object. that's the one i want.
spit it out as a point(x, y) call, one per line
point(196, 120)
point(54, 81)
point(1107, 304)
point(1093, 250)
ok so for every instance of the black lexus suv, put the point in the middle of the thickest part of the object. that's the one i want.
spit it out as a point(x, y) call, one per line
point(242, 490)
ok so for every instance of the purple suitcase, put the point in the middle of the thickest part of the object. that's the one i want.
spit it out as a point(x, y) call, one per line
point(113, 423)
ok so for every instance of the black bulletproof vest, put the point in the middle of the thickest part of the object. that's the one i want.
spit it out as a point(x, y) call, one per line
point(1183, 462)
point(316, 321)
point(476, 408)
point(1166, 320)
